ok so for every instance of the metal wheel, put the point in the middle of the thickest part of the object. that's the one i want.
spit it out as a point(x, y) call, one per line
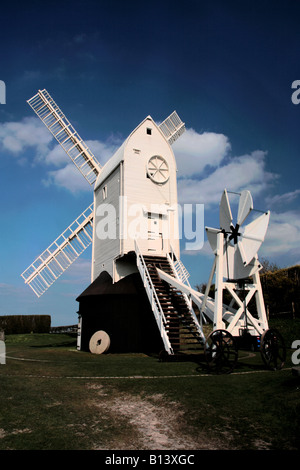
point(221, 352)
point(273, 349)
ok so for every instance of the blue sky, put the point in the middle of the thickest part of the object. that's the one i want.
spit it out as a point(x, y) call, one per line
point(226, 67)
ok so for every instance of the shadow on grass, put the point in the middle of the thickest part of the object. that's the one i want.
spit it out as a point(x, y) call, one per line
point(246, 362)
point(196, 358)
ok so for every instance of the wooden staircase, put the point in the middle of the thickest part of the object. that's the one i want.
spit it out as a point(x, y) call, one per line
point(179, 323)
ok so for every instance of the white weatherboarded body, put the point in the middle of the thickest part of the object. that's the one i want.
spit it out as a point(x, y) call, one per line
point(135, 200)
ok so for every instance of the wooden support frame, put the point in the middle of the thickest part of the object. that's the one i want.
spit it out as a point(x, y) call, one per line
point(240, 319)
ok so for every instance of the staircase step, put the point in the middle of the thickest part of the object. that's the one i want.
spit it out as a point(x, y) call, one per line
point(180, 327)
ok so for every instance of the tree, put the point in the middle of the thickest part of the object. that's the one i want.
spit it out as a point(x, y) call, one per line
point(268, 266)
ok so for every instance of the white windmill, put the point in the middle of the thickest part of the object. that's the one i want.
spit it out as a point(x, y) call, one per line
point(139, 177)
point(236, 269)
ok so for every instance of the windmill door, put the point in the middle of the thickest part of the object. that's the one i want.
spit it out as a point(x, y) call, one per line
point(155, 235)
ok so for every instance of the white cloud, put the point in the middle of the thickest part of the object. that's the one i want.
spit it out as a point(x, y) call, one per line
point(195, 151)
point(104, 150)
point(17, 137)
point(67, 177)
point(56, 156)
point(283, 235)
point(280, 199)
point(205, 168)
point(243, 172)
point(30, 133)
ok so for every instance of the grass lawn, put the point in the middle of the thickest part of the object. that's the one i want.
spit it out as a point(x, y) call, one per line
point(54, 397)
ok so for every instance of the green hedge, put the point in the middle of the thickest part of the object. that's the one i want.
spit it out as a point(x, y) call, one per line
point(19, 324)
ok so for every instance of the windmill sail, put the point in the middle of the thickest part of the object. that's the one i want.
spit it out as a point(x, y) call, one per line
point(245, 206)
point(42, 273)
point(253, 236)
point(172, 127)
point(225, 213)
point(241, 244)
point(59, 126)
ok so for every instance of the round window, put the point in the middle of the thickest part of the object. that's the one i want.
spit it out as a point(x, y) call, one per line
point(158, 169)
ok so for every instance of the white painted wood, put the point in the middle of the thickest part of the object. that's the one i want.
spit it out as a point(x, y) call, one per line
point(106, 234)
point(218, 321)
point(253, 237)
point(172, 127)
point(245, 206)
point(65, 134)
point(146, 210)
point(59, 256)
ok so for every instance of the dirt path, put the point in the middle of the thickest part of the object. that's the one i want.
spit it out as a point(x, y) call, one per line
point(147, 423)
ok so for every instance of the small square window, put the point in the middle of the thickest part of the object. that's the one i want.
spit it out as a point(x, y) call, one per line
point(149, 131)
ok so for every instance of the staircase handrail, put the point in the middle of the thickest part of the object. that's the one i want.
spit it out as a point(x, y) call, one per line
point(153, 298)
point(179, 269)
point(172, 259)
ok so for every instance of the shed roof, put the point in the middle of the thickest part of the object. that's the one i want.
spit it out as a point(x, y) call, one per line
point(103, 285)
